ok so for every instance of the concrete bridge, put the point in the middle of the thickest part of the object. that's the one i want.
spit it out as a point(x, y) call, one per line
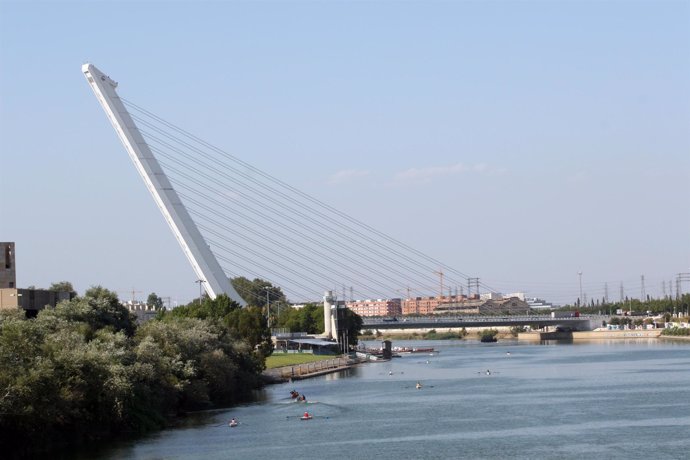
point(581, 323)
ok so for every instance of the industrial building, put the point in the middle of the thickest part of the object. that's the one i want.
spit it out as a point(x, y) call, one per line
point(29, 300)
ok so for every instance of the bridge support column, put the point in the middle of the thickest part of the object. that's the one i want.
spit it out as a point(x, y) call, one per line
point(328, 304)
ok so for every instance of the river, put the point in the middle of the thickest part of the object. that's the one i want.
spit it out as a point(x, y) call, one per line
point(608, 400)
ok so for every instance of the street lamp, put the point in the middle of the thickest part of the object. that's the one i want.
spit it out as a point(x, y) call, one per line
point(580, 300)
point(201, 283)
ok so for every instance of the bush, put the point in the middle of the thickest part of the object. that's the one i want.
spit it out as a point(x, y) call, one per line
point(677, 331)
point(448, 335)
point(488, 335)
point(515, 330)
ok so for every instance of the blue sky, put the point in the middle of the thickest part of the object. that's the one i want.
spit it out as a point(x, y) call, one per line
point(520, 142)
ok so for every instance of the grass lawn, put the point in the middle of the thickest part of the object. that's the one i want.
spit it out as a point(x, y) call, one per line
point(288, 359)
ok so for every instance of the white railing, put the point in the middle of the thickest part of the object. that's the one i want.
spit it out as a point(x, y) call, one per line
point(302, 370)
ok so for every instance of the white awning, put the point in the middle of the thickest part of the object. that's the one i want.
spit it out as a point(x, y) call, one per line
point(317, 342)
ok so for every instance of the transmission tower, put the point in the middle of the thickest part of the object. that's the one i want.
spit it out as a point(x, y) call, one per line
point(679, 279)
point(606, 292)
point(470, 282)
point(643, 296)
point(440, 274)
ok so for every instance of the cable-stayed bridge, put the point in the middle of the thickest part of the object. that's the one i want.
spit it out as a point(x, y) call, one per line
point(232, 219)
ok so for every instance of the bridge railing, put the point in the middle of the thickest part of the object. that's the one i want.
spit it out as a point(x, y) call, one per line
point(468, 319)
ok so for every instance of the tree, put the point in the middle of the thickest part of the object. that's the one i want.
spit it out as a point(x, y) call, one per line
point(85, 371)
point(63, 286)
point(242, 324)
point(308, 318)
point(154, 301)
point(102, 308)
point(255, 292)
point(353, 325)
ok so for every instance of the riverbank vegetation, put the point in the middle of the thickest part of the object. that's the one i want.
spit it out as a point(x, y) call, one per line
point(85, 371)
point(668, 304)
point(676, 332)
point(432, 334)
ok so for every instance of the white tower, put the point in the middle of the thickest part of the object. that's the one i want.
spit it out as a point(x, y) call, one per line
point(329, 302)
point(208, 271)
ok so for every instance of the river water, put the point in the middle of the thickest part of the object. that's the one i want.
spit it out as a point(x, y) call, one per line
point(606, 400)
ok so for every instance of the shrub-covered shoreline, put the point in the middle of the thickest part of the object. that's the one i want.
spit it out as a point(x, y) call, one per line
point(84, 371)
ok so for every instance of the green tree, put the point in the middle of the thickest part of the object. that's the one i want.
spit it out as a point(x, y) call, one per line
point(243, 324)
point(353, 325)
point(85, 371)
point(154, 301)
point(198, 364)
point(308, 318)
point(99, 308)
point(63, 286)
point(257, 291)
point(107, 311)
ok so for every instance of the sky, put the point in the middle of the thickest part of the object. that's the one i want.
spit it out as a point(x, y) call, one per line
point(523, 142)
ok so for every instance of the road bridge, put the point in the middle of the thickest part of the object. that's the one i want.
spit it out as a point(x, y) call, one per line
point(581, 323)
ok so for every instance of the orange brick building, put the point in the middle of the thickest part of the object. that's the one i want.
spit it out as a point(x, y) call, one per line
point(427, 305)
point(379, 307)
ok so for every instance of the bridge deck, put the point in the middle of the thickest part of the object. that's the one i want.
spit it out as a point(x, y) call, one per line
point(431, 322)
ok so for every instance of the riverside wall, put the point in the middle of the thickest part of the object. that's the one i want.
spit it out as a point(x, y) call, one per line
point(590, 335)
point(306, 370)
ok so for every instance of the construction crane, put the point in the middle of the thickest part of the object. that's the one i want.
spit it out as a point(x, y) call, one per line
point(132, 291)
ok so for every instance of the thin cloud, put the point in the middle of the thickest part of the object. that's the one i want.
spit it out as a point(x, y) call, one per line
point(347, 175)
point(579, 177)
point(431, 173)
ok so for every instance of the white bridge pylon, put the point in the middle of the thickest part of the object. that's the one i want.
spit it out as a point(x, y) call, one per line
point(204, 263)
